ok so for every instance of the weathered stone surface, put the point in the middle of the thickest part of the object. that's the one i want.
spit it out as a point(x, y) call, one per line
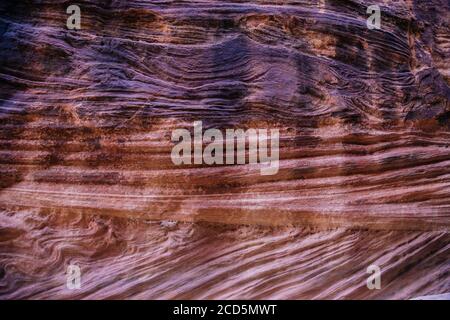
point(86, 176)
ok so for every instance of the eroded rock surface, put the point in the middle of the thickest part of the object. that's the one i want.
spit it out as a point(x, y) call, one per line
point(85, 138)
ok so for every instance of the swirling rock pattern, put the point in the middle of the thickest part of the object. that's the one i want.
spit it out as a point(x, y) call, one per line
point(86, 175)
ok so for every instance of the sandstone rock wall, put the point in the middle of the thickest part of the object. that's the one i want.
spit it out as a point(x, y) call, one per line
point(85, 138)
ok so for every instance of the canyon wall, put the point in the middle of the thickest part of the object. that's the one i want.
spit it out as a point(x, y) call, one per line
point(86, 118)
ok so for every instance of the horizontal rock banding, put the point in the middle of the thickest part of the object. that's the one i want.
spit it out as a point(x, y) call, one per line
point(86, 118)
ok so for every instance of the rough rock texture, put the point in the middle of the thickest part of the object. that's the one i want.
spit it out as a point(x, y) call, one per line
point(85, 170)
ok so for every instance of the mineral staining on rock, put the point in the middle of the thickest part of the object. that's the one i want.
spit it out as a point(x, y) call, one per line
point(85, 149)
